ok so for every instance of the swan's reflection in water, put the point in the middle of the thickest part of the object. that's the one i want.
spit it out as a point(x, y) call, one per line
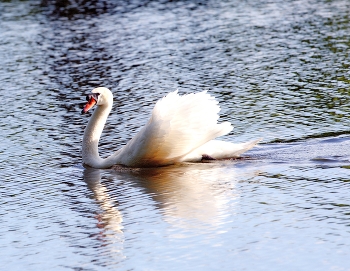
point(163, 206)
point(110, 218)
point(191, 196)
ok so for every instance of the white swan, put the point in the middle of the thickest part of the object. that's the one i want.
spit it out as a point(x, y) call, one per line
point(181, 129)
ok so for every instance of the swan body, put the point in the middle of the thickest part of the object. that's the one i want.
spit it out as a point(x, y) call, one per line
point(180, 129)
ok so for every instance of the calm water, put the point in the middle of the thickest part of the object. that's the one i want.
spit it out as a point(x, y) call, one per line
point(280, 70)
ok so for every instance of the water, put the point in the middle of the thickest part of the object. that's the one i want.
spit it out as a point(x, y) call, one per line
point(280, 70)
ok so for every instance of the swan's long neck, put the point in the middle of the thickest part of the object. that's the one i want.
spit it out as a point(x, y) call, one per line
point(92, 136)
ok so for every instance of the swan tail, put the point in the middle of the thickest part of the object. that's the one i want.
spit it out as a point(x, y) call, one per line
point(219, 150)
point(178, 125)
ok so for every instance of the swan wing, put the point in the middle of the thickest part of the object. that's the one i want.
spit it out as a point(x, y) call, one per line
point(178, 125)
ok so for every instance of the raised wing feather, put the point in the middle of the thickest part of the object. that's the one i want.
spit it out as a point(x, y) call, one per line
point(178, 125)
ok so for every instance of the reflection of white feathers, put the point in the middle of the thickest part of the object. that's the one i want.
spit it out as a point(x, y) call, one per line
point(110, 218)
point(189, 195)
point(181, 128)
point(199, 196)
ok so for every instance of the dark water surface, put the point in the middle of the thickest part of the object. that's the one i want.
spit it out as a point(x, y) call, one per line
point(280, 70)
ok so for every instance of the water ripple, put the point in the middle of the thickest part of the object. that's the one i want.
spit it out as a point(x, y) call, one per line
point(280, 70)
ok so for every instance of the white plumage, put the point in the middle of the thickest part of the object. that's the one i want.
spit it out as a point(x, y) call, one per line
point(181, 129)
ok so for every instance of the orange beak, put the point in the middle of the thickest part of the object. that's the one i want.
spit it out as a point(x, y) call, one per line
point(91, 102)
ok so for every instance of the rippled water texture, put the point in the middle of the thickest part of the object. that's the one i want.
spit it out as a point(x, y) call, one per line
point(280, 70)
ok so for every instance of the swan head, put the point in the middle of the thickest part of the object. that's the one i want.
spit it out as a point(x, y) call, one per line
point(98, 96)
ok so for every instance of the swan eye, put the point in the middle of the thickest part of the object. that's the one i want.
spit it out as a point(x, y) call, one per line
point(92, 96)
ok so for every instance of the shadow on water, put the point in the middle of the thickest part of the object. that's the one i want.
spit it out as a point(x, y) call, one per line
point(77, 9)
